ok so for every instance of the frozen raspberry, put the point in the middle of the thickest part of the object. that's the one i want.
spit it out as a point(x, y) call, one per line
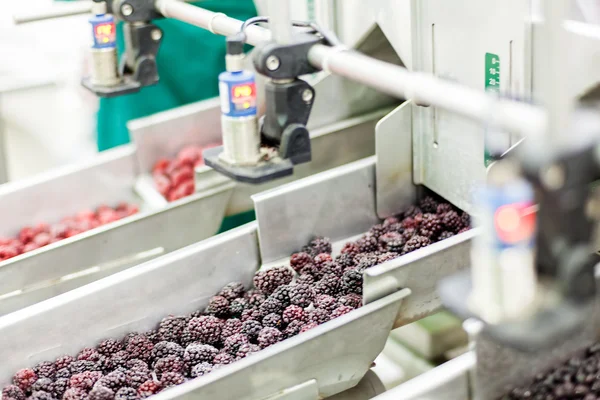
point(300, 260)
point(325, 302)
point(189, 155)
point(306, 279)
point(318, 245)
point(452, 221)
point(254, 297)
point(308, 327)
point(171, 328)
point(445, 235)
point(232, 290)
point(127, 393)
point(345, 260)
point(303, 295)
point(321, 259)
point(168, 364)
point(293, 313)
point(282, 295)
point(329, 284)
point(233, 343)
point(443, 208)
point(85, 380)
point(251, 329)
point(350, 248)
point(273, 321)
point(269, 336)
point(231, 327)
point(367, 243)
point(162, 183)
point(170, 379)
point(13, 392)
point(319, 316)
point(45, 369)
point(341, 310)
point(140, 347)
point(247, 349)
point(351, 300)
point(101, 393)
point(161, 165)
point(224, 358)
point(206, 329)
point(272, 305)
point(269, 280)
point(411, 211)
point(197, 353)
point(59, 387)
point(181, 175)
point(41, 395)
point(201, 369)
point(415, 243)
point(148, 388)
point(24, 378)
point(43, 384)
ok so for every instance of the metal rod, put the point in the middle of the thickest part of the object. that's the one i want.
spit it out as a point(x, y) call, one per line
point(279, 21)
point(57, 11)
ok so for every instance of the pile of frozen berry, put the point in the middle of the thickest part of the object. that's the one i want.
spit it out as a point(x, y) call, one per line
point(174, 178)
point(40, 235)
point(285, 301)
point(578, 378)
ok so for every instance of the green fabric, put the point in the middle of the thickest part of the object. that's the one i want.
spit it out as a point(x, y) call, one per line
point(189, 62)
point(237, 220)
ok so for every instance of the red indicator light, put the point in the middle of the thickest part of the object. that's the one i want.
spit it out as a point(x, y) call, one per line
point(243, 91)
point(514, 223)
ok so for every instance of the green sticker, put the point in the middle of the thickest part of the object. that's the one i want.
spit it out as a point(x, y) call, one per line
point(492, 84)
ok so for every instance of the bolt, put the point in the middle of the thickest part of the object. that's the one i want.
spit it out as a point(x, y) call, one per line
point(156, 34)
point(273, 63)
point(126, 9)
point(553, 177)
point(307, 95)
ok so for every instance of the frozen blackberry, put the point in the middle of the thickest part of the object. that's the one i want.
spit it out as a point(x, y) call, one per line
point(139, 365)
point(139, 346)
point(85, 380)
point(269, 336)
point(411, 211)
point(412, 222)
point(232, 291)
point(397, 227)
point(378, 230)
point(325, 302)
point(367, 243)
point(253, 313)
point(109, 347)
point(308, 327)
point(341, 310)
point(431, 226)
point(197, 353)
point(148, 388)
point(63, 362)
point(251, 329)
point(443, 208)
point(312, 270)
point(63, 373)
point(385, 257)
point(452, 221)
point(345, 260)
point(41, 395)
point(255, 297)
point(218, 306)
point(114, 381)
point(45, 384)
point(445, 235)
point(463, 230)
point(135, 378)
point(153, 336)
point(272, 305)
point(408, 234)
point(206, 329)
point(329, 284)
point(170, 379)
point(305, 278)
point(230, 328)
point(88, 354)
point(237, 307)
point(351, 300)
point(75, 394)
point(391, 241)
point(332, 268)
point(59, 387)
point(282, 294)
point(171, 328)
point(233, 343)
point(428, 204)
point(352, 282)
point(269, 280)
point(318, 245)
point(13, 392)
point(303, 295)
point(300, 260)
point(293, 313)
point(350, 248)
point(201, 369)
point(224, 358)
point(168, 364)
point(45, 369)
point(318, 316)
point(466, 220)
point(273, 321)
point(164, 349)
point(366, 261)
point(322, 259)
point(390, 221)
point(127, 393)
point(24, 378)
point(101, 393)
point(293, 329)
point(415, 243)
point(119, 359)
point(247, 349)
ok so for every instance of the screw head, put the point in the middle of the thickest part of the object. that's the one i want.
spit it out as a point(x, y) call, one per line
point(126, 9)
point(273, 63)
point(307, 95)
point(156, 34)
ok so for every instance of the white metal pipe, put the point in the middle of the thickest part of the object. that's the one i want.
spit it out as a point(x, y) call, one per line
point(389, 78)
point(280, 22)
point(57, 11)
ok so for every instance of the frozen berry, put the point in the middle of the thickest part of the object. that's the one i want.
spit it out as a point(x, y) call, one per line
point(272, 305)
point(109, 347)
point(408, 234)
point(352, 282)
point(114, 380)
point(59, 387)
point(237, 307)
point(322, 259)
point(127, 393)
point(411, 211)
point(139, 365)
point(206, 329)
point(306, 279)
point(412, 222)
point(351, 300)
point(345, 260)
point(445, 235)
point(101, 393)
point(135, 378)
point(13, 392)
point(233, 343)
point(273, 321)
point(319, 316)
point(75, 394)
point(350, 248)
point(332, 268)
point(79, 366)
point(300, 260)
point(378, 230)
point(466, 220)
point(367, 243)
point(140, 347)
point(197, 353)
point(282, 294)
point(325, 302)
point(24, 378)
point(154, 336)
point(385, 257)
point(168, 364)
point(251, 329)
point(318, 245)
point(293, 313)
point(88, 354)
point(63, 373)
point(269, 280)
point(41, 395)
point(341, 310)
point(85, 380)
point(443, 208)
point(392, 241)
point(44, 384)
point(428, 204)
point(231, 327)
point(170, 379)
point(223, 359)
point(312, 270)
point(308, 327)
point(63, 362)
point(254, 297)
point(293, 328)
point(45, 369)
point(171, 328)
point(148, 388)
point(329, 284)
point(269, 336)
point(201, 369)
point(431, 226)
point(253, 313)
point(303, 295)
point(165, 349)
point(247, 349)
point(452, 221)
point(415, 243)
point(218, 306)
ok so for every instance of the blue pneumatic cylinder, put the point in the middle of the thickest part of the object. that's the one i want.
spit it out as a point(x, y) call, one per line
point(105, 65)
point(238, 93)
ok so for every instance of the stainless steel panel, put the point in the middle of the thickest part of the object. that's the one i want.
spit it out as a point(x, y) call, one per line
point(393, 142)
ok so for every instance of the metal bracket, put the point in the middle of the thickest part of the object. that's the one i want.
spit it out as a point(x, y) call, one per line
point(278, 61)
